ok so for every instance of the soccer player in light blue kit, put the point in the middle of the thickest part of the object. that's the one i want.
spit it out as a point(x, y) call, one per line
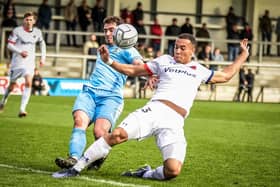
point(101, 101)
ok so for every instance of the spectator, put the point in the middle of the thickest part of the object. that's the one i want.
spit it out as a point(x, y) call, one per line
point(8, 22)
point(217, 56)
point(98, 14)
point(126, 15)
point(242, 84)
point(187, 27)
point(266, 31)
point(172, 30)
point(44, 17)
point(37, 83)
point(71, 16)
point(231, 19)
point(157, 31)
point(206, 54)
point(202, 33)
point(9, 7)
point(137, 13)
point(139, 26)
point(233, 47)
point(90, 48)
point(250, 77)
point(247, 33)
point(277, 30)
point(149, 53)
point(84, 16)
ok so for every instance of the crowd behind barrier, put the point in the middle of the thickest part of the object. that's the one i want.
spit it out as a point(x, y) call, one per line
point(60, 35)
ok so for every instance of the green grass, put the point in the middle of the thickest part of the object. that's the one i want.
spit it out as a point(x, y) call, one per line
point(229, 144)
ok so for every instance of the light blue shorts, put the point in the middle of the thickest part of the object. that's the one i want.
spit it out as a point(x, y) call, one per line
point(98, 104)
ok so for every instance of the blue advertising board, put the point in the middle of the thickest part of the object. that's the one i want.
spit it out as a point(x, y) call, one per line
point(65, 86)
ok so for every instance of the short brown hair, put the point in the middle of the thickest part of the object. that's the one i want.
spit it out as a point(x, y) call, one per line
point(188, 37)
point(27, 14)
point(112, 19)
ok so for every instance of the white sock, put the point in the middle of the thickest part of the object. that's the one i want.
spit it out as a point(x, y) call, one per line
point(25, 98)
point(5, 96)
point(97, 150)
point(155, 174)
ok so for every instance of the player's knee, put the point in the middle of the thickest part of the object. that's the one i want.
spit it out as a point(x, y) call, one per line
point(99, 132)
point(118, 136)
point(80, 120)
point(172, 169)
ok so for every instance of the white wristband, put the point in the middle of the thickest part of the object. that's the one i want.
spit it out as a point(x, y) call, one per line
point(109, 62)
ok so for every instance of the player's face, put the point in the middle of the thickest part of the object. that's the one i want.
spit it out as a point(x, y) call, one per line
point(108, 31)
point(28, 22)
point(183, 51)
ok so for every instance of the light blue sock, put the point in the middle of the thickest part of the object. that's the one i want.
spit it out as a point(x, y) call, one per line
point(77, 143)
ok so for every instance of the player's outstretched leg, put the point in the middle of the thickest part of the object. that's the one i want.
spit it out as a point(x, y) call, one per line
point(65, 163)
point(138, 172)
point(66, 173)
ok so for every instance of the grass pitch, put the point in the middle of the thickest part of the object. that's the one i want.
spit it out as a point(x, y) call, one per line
point(229, 144)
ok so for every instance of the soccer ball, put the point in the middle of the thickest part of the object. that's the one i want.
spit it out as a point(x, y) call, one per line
point(125, 36)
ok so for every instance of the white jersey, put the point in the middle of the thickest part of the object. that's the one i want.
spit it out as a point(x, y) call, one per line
point(23, 40)
point(178, 82)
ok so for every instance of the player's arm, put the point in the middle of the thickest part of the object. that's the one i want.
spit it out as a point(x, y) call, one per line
point(42, 44)
point(127, 69)
point(12, 45)
point(228, 72)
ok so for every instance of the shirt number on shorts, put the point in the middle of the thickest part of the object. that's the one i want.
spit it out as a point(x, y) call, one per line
point(145, 110)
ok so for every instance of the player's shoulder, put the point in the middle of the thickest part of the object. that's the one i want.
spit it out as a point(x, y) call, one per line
point(37, 30)
point(18, 29)
point(164, 59)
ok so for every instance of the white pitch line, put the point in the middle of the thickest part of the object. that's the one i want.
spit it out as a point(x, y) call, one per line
point(79, 177)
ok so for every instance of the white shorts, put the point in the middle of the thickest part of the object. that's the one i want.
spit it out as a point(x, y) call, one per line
point(17, 73)
point(157, 119)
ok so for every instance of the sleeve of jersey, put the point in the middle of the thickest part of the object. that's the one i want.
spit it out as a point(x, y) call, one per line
point(42, 46)
point(132, 54)
point(12, 43)
point(206, 73)
point(151, 68)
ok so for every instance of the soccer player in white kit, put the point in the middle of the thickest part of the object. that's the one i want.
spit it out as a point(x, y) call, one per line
point(163, 116)
point(22, 42)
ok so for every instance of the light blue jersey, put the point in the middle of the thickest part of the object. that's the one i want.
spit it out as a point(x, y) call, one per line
point(106, 78)
point(102, 97)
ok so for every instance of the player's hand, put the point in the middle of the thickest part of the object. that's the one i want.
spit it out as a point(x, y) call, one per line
point(104, 53)
point(244, 46)
point(24, 54)
point(151, 82)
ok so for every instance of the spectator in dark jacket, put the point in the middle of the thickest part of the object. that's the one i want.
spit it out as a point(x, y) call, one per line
point(187, 27)
point(44, 17)
point(242, 83)
point(172, 30)
point(231, 19)
point(202, 33)
point(84, 16)
point(98, 13)
point(233, 47)
point(250, 77)
point(139, 26)
point(266, 31)
point(9, 7)
point(137, 13)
